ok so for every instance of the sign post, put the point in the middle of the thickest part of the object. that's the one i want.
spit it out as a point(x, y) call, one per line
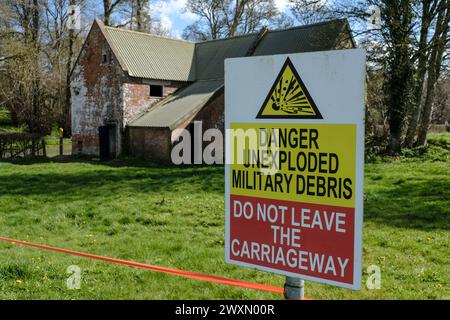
point(295, 165)
point(294, 289)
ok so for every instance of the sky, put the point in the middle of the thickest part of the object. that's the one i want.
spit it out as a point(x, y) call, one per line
point(174, 18)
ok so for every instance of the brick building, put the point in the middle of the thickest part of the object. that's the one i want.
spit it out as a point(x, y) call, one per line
point(130, 90)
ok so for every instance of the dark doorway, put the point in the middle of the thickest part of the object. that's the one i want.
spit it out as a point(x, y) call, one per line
point(112, 133)
point(103, 133)
point(108, 141)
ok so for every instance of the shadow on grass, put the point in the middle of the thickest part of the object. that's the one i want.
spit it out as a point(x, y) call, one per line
point(122, 176)
point(422, 205)
point(116, 163)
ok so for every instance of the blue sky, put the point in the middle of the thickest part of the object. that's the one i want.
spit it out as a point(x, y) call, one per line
point(171, 13)
point(175, 18)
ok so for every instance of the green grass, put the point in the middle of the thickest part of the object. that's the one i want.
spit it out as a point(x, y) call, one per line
point(6, 125)
point(5, 117)
point(51, 140)
point(174, 217)
point(440, 139)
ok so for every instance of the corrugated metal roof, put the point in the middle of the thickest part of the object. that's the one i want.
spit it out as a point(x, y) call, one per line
point(210, 55)
point(154, 57)
point(180, 106)
point(317, 37)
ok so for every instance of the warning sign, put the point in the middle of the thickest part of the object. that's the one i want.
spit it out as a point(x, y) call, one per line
point(294, 171)
point(304, 162)
point(289, 97)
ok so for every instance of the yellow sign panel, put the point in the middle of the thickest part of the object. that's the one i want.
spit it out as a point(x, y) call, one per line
point(289, 97)
point(309, 163)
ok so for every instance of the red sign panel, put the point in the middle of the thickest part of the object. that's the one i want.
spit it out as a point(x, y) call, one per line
point(311, 239)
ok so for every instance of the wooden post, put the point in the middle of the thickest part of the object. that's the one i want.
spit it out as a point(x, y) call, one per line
point(33, 148)
point(44, 151)
point(61, 141)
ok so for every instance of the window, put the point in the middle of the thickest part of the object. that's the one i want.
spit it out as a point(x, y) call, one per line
point(156, 91)
point(106, 58)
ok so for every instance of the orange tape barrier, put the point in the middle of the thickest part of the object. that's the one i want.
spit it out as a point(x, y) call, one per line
point(181, 273)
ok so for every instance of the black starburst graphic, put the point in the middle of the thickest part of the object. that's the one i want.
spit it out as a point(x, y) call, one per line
point(289, 97)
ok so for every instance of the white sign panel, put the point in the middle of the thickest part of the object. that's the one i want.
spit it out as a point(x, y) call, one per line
point(295, 164)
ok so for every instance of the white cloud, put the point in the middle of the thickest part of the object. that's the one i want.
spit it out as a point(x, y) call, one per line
point(166, 22)
point(175, 18)
point(173, 15)
point(281, 4)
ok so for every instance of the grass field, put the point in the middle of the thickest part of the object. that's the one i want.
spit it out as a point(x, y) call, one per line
point(174, 217)
point(6, 125)
point(52, 140)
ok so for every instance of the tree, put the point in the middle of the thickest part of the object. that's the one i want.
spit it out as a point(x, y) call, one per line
point(109, 7)
point(27, 15)
point(35, 79)
point(139, 15)
point(133, 14)
point(71, 38)
point(411, 46)
point(60, 42)
point(246, 16)
point(441, 112)
point(311, 11)
point(211, 23)
point(136, 15)
point(397, 16)
point(439, 44)
point(227, 18)
point(428, 12)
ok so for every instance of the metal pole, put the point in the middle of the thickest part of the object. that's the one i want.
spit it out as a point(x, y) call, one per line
point(294, 289)
point(61, 150)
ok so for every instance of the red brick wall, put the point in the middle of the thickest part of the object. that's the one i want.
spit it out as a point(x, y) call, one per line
point(103, 93)
point(96, 93)
point(150, 143)
point(137, 97)
point(155, 144)
point(213, 114)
